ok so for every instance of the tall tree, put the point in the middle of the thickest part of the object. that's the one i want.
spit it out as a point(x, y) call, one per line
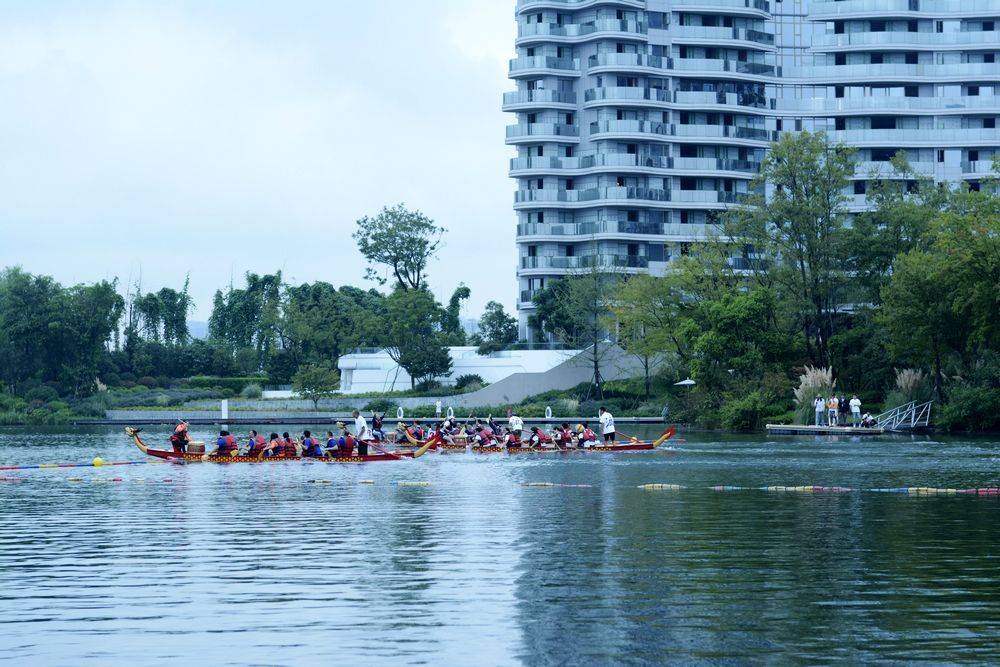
point(401, 240)
point(451, 321)
point(497, 329)
point(412, 335)
point(791, 229)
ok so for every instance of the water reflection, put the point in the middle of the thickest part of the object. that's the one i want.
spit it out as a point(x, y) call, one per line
point(239, 564)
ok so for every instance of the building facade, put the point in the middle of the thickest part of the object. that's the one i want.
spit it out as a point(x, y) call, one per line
point(640, 121)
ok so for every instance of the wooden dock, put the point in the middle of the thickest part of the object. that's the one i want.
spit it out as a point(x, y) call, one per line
point(798, 429)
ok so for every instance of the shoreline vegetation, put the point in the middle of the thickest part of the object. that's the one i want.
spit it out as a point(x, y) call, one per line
point(795, 296)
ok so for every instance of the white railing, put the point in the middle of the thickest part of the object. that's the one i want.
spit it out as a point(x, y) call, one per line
point(906, 417)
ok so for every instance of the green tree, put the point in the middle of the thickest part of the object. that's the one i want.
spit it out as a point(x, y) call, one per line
point(404, 241)
point(497, 329)
point(412, 334)
point(451, 322)
point(791, 232)
point(314, 382)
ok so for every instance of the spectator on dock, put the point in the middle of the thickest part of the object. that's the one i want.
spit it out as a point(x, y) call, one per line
point(820, 407)
point(832, 408)
point(844, 409)
point(855, 410)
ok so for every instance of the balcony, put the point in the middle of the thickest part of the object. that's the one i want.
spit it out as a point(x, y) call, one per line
point(980, 168)
point(908, 105)
point(829, 10)
point(538, 65)
point(868, 169)
point(580, 32)
point(704, 131)
point(631, 127)
point(701, 99)
point(585, 262)
point(627, 62)
point(712, 164)
point(574, 5)
point(719, 35)
point(929, 138)
point(900, 39)
point(590, 195)
point(901, 73)
point(704, 197)
point(714, 67)
point(752, 7)
point(596, 161)
point(615, 228)
point(536, 132)
point(537, 99)
point(634, 95)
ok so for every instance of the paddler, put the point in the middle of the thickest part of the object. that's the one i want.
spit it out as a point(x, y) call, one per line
point(225, 444)
point(565, 436)
point(540, 438)
point(180, 438)
point(311, 447)
point(585, 436)
point(275, 446)
point(289, 446)
point(256, 444)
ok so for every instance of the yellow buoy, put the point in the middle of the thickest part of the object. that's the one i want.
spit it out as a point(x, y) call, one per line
point(98, 461)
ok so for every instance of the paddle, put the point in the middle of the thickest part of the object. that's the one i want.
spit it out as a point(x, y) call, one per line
point(379, 449)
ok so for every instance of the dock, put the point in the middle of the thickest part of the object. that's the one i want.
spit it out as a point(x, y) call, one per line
point(798, 429)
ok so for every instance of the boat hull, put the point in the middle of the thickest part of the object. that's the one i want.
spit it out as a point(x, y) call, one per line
point(210, 458)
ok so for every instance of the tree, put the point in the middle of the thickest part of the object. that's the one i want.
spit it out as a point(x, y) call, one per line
point(412, 334)
point(314, 382)
point(451, 322)
point(249, 317)
point(497, 329)
point(574, 309)
point(791, 231)
point(402, 240)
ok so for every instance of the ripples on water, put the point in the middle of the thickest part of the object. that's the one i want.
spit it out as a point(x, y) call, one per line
point(256, 564)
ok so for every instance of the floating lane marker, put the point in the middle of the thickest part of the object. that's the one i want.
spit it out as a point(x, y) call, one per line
point(731, 488)
point(661, 487)
point(366, 481)
point(404, 483)
point(807, 489)
point(321, 481)
point(561, 486)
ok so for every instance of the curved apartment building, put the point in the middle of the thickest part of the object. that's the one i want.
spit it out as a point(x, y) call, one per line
point(638, 121)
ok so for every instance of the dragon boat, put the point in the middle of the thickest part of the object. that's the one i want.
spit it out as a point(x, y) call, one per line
point(171, 455)
point(631, 445)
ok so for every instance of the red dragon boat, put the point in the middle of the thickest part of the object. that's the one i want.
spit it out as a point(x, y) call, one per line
point(171, 455)
point(631, 445)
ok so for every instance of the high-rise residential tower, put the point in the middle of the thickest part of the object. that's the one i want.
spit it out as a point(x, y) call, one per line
point(639, 121)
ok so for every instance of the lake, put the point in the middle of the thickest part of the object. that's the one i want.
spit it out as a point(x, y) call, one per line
point(263, 564)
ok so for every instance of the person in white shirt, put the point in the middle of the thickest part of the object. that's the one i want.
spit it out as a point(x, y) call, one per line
point(607, 425)
point(437, 409)
point(819, 405)
point(855, 410)
point(516, 424)
point(361, 431)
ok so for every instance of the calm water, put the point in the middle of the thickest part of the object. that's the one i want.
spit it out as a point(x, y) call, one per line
point(258, 565)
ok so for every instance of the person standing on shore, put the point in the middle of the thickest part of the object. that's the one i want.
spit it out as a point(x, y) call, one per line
point(832, 407)
point(437, 409)
point(855, 410)
point(819, 405)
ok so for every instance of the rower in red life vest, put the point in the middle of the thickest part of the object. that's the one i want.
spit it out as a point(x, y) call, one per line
point(484, 436)
point(275, 446)
point(565, 436)
point(511, 439)
point(346, 441)
point(256, 444)
point(225, 445)
point(585, 436)
point(289, 446)
point(540, 438)
point(180, 438)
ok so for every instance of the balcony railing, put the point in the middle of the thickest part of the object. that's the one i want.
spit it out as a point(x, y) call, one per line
point(899, 72)
point(758, 5)
point(539, 97)
point(589, 228)
point(887, 103)
point(542, 129)
point(721, 34)
point(903, 38)
point(544, 62)
point(591, 194)
point(591, 161)
point(572, 30)
point(585, 262)
point(822, 10)
point(626, 94)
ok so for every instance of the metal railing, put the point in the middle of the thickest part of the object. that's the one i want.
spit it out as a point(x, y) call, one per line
point(906, 417)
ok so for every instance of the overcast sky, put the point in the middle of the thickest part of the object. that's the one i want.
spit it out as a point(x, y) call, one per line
point(213, 138)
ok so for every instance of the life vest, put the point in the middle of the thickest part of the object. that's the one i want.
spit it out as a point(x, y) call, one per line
point(588, 435)
point(227, 444)
point(347, 444)
point(288, 448)
point(566, 436)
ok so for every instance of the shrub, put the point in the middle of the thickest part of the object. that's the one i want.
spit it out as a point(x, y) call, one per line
point(911, 385)
point(147, 381)
point(162, 401)
point(42, 393)
point(252, 390)
point(428, 385)
point(381, 405)
point(743, 413)
point(812, 383)
point(971, 408)
point(463, 382)
point(232, 384)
